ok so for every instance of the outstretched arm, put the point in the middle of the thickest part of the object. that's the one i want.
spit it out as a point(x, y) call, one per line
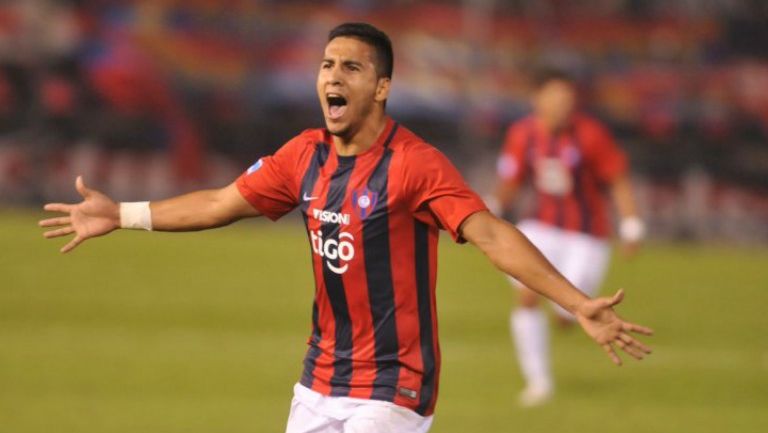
point(98, 215)
point(511, 252)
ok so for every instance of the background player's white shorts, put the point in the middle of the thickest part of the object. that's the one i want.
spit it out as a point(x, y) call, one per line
point(581, 258)
point(312, 412)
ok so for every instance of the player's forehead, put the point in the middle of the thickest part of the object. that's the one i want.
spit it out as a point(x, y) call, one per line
point(348, 48)
point(557, 86)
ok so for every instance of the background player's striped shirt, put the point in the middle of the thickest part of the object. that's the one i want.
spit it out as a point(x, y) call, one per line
point(372, 222)
point(570, 170)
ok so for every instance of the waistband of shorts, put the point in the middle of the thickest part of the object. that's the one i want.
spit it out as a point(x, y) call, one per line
point(324, 403)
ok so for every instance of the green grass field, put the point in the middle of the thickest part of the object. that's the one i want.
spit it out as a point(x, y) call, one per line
point(153, 332)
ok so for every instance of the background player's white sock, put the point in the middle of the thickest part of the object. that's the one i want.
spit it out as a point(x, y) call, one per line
point(530, 332)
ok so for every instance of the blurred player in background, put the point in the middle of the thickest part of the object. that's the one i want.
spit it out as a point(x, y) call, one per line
point(373, 196)
point(572, 161)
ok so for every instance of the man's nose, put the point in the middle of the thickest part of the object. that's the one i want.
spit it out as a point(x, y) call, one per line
point(335, 77)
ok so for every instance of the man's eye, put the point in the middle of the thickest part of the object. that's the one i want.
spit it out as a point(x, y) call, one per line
point(326, 66)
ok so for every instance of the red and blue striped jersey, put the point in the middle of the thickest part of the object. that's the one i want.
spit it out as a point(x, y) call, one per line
point(570, 170)
point(373, 222)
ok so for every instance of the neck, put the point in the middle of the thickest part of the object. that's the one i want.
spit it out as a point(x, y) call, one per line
point(362, 138)
point(550, 125)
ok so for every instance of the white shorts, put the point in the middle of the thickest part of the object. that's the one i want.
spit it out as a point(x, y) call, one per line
point(581, 258)
point(312, 412)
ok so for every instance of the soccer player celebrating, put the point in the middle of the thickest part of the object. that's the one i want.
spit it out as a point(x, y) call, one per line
point(373, 196)
point(571, 159)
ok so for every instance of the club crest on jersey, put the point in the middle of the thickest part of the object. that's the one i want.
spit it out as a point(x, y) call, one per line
point(364, 202)
point(256, 165)
point(571, 155)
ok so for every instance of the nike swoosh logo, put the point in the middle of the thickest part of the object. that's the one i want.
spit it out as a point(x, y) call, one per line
point(308, 198)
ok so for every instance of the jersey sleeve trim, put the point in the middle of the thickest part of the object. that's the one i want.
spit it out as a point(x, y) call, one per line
point(466, 213)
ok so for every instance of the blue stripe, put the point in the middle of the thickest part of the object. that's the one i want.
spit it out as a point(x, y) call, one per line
point(307, 186)
point(381, 293)
point(427, 333)
point(334, 285)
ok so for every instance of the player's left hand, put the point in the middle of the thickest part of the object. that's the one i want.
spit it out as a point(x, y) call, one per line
point(629, 249)
point(604, 326)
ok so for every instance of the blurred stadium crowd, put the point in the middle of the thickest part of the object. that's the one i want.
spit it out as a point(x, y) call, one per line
point(150, 97)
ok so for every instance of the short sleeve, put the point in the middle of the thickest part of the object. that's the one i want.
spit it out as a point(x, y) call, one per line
point(606, 158)
point(511, 165)
point(436, 191)
point(270, 185)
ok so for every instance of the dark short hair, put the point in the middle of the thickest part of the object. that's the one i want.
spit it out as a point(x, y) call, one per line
point(544, 76)
point(373, 37)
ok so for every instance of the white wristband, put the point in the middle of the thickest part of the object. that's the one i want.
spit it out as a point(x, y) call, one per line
point(136, 215)
point(632, 229)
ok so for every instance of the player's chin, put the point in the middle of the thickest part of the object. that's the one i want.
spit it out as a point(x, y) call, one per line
point(336, 128)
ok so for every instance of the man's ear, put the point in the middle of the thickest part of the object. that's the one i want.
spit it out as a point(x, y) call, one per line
point(382, 89)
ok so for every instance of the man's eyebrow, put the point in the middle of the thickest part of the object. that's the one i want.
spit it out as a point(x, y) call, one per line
point(352, 62)
point(347, 62)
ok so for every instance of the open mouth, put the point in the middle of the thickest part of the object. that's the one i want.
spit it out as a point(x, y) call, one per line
point(337, 105)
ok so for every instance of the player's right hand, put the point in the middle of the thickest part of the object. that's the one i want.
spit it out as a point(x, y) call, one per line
point(602, 324)
point(95, 216)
